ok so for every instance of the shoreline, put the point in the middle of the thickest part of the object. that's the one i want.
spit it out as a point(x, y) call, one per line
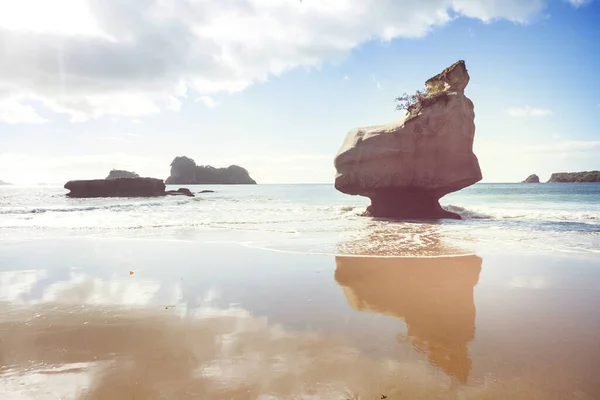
point(274, 243)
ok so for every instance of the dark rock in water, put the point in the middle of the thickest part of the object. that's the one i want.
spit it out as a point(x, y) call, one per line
point(417, 204)
point(124, 187)
point(184, 171)
point(572, 177)
point(532, 179)
point(120, 173)
point(207, 191)
point(406, 167)
point(180, 192)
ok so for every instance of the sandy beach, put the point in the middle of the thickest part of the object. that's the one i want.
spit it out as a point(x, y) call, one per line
point(149, 319)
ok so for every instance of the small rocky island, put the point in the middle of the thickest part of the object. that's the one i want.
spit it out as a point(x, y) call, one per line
point(533, 178)
point(406, 167)
point(572, 177)
point(184, 171)
point(120, 183)
point(4, 183)
point(121, 173)
point(123, 187)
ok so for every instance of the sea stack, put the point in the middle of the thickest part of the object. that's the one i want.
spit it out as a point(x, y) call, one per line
point(184, 171)
point(533, 178)
point(406, 167)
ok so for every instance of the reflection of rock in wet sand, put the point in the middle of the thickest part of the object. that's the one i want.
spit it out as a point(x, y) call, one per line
point(434, 296)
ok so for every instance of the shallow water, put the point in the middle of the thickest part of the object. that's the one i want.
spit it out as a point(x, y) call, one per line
point(316, 218)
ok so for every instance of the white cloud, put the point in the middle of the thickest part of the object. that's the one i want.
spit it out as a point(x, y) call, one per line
point(49, 17)
point(12, 111)
point(83, 108)
point(578, 3)
point(528, 112)
point(208, 101)
point(133, 58)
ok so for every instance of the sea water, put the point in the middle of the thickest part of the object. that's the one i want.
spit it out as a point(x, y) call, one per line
point(315, 218)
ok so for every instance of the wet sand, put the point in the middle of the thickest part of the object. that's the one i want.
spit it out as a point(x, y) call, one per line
point(221, 321)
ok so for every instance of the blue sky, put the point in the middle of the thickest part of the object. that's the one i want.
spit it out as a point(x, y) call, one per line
point(274, 85)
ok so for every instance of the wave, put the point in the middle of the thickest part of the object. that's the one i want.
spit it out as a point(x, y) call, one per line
point(113, 207)
point(532, 214)
point(466, 214)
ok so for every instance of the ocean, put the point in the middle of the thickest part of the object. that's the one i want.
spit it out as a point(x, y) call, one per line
point(316, 219)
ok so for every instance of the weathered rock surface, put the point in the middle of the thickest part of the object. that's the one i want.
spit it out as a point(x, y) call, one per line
point(120, 173)
point(406, 167)
point(124, 187)
point(533, 178)
point(184, 171)
point(585, 176)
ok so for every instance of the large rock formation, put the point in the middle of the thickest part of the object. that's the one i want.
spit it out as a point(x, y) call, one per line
point(585, 176)
point(533, 178)
point(185, 171)
point(120, 173)
point(406, 167)
point(124, 187)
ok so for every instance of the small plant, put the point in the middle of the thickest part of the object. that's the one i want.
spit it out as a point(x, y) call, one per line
point(410, 102)
point(437, 87)
point(421, 98)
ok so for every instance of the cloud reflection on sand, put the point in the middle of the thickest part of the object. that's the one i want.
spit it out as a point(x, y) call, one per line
point(109, 352)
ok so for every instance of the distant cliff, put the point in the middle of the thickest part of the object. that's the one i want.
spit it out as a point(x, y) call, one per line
point(4, 183)
point(185, 171)
point(533, 178)
point(585, 176)
point(120, 173)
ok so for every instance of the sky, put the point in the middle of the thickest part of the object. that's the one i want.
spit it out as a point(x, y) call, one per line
point(275, 85)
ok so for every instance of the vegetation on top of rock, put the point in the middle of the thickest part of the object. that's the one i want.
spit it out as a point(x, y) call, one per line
point(185, 171)
point(584, 176)
point(120, 173)
point(414, 103)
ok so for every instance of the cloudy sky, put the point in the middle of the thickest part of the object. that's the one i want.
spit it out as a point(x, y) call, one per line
point(274, 85)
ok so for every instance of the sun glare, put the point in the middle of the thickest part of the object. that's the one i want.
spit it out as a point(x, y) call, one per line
point(65, 17)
